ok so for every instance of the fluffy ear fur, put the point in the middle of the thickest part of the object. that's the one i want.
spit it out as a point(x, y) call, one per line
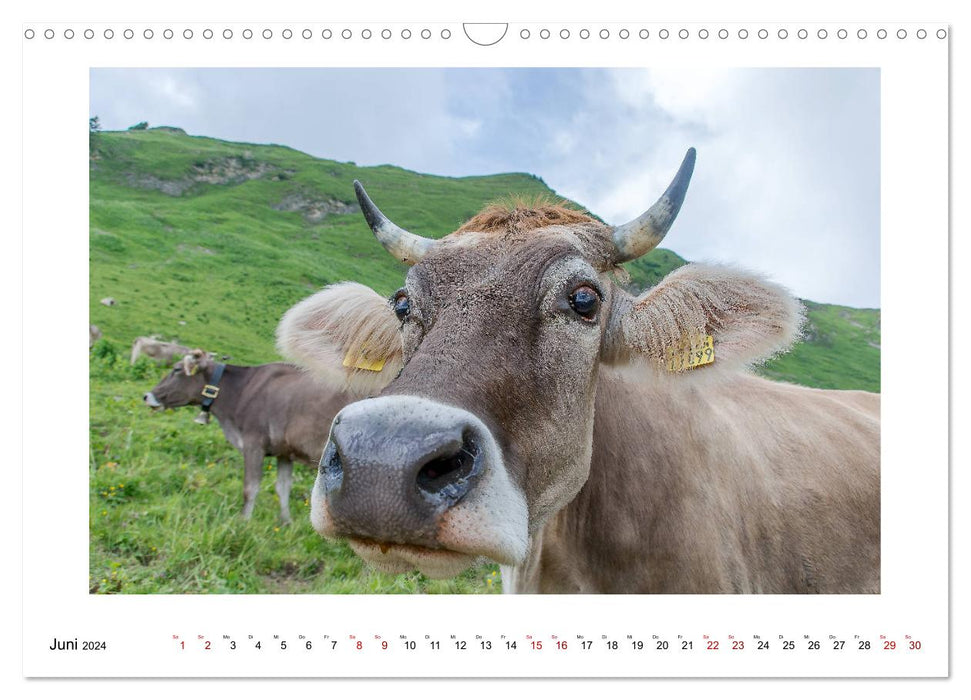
point(749, 318)
point(341, 331)
point(193, 361)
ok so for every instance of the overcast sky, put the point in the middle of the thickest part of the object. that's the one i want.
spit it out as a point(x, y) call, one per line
point(787, 181)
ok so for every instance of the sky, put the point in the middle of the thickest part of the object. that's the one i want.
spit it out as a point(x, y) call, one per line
point(787, 181)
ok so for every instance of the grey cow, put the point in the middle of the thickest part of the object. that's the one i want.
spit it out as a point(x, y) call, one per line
point(161, 351)
point(532, 412)
point(273, 410)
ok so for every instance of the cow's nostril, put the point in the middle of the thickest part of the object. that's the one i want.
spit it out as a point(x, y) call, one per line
point(331, 468)
point(450, 477)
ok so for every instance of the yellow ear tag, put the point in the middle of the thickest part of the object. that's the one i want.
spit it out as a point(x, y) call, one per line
point(694, 351)
point(363, 362)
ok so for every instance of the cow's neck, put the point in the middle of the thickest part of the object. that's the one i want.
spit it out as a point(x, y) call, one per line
point(603, 526)
point(226, 408)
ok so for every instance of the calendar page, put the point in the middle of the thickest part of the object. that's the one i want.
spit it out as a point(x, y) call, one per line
point(511, 349)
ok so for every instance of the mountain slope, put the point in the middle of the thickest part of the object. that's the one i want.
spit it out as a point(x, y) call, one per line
point(840, 350)
point(210, 242)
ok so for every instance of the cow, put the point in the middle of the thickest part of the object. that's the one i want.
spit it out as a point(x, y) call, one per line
point(529, 411)
point(164, 353)
point(272, 410)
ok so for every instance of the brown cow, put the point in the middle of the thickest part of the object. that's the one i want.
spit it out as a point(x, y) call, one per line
point(272, 410)
point(536, 414)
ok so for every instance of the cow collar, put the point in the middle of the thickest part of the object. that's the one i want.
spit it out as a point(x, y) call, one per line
point(211, 390)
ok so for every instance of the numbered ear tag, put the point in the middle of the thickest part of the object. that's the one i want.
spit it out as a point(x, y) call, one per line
point(362, 361)
point(693, 352)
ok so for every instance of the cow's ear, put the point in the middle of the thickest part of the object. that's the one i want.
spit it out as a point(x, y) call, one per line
point(194, 361)
point(345, 334)
point(748, 319)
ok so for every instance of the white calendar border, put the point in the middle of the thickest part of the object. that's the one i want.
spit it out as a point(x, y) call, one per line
point(51, 559)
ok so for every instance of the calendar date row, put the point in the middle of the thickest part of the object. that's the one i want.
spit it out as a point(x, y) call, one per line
point(529, 643)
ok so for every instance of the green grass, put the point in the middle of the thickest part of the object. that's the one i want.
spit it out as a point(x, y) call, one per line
point(842, 350)
point(215, 265)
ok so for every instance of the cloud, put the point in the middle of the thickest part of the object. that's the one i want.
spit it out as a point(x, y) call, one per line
point(469, 127)
point(179, 93)
point(787, 180)
point(788, 173)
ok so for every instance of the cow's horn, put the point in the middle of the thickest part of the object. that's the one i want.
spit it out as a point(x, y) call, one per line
point(643, 234)
point(405, 246)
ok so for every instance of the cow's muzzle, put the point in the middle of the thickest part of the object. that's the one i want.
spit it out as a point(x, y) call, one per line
point(151, 401)
point(390, 470)
point(413, 483)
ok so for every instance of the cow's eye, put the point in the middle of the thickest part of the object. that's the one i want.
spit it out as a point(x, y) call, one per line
point(401, 306)
point(585, 301)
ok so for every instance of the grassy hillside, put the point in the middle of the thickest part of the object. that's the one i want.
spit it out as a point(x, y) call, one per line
point(840, 350)
point(208, 243)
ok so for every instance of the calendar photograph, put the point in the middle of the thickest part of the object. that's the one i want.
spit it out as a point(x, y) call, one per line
point(498, 350)
point(484, 330)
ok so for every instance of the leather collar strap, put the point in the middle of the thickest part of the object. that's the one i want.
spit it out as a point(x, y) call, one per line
point(211, 390)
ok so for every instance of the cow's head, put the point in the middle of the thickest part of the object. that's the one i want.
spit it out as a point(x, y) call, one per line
point(183, 385)
point(485, 367)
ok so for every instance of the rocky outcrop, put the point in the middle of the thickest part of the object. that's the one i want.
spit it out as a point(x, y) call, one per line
point(314, 209)
point(231, 170)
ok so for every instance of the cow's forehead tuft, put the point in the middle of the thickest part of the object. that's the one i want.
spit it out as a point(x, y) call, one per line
point(520, 216)
point(459, 256)
point(588, 238)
